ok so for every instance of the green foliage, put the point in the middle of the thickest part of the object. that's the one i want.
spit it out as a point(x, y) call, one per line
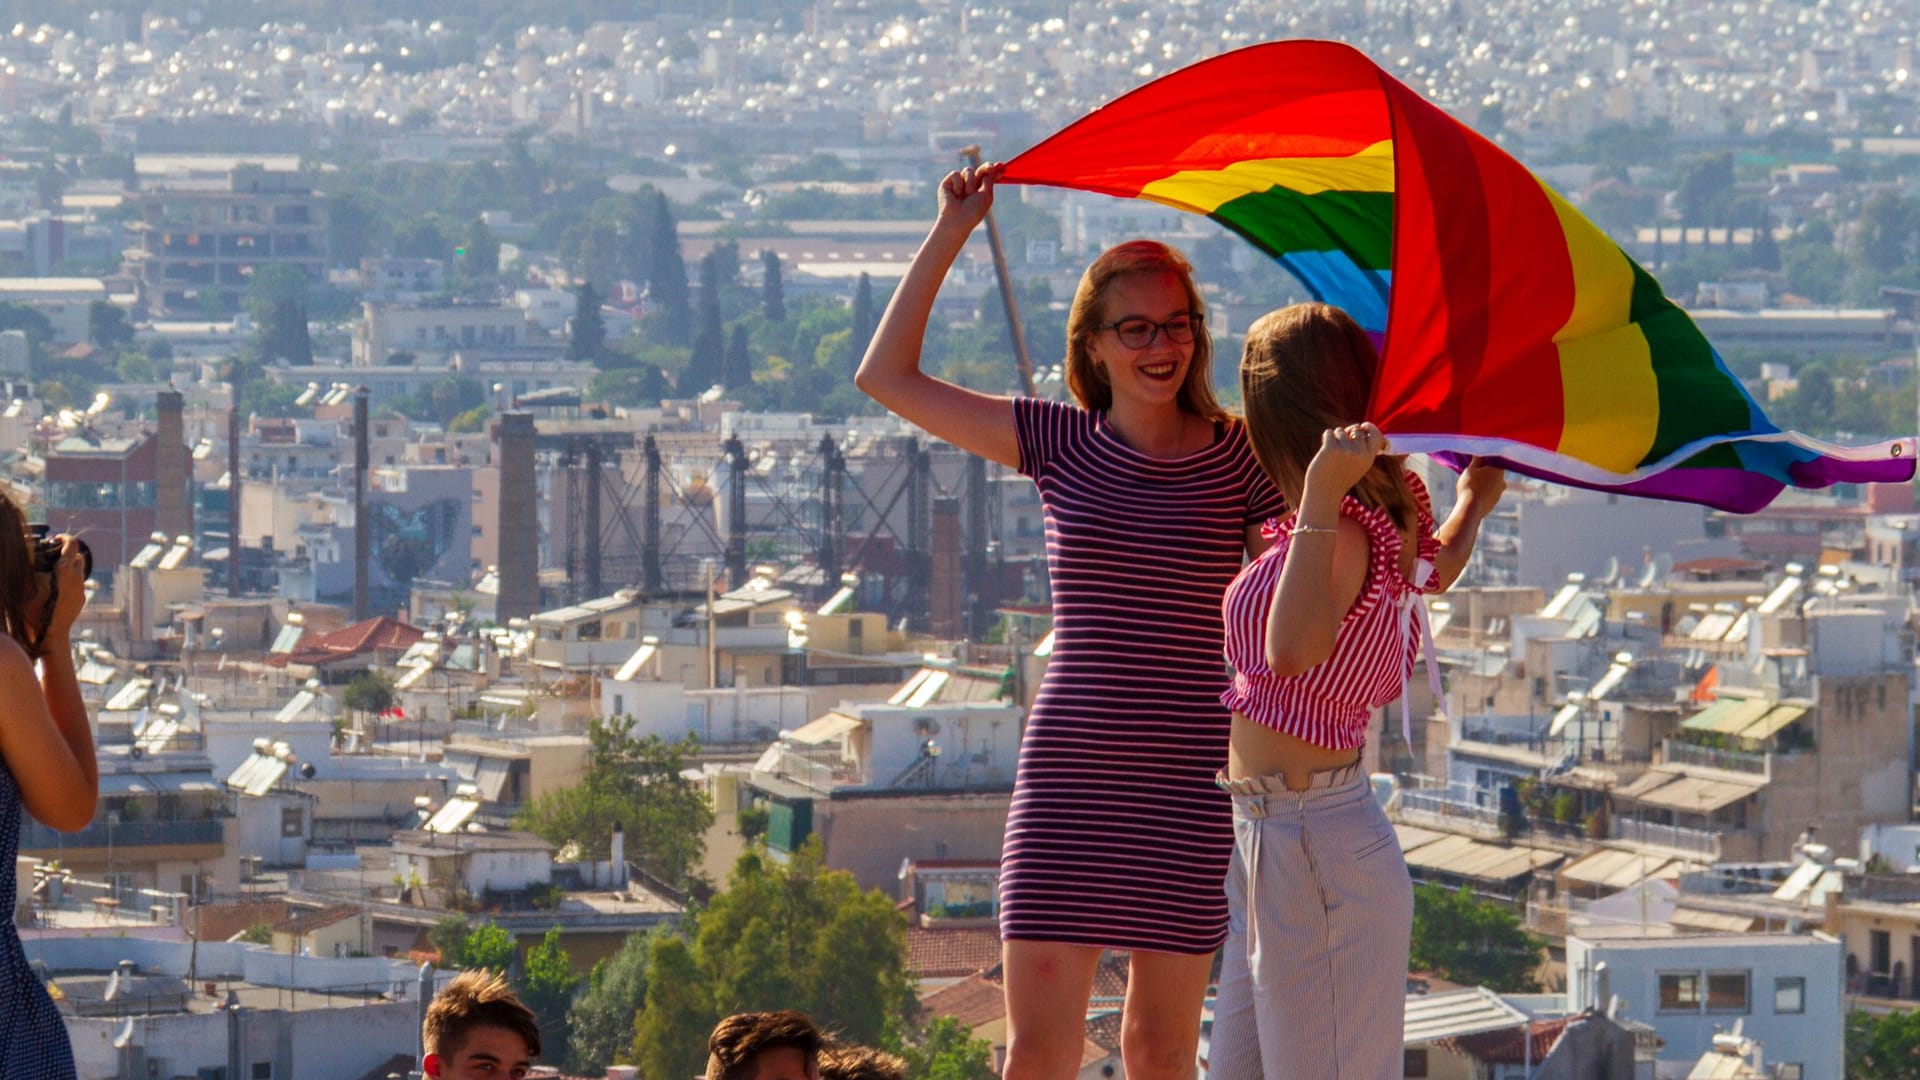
point(369, 692)
point(587, 334)
point(737, 373)
point(474, 419)
point(947, 1050)
point(670, 1033)
point(448, 935)
point(257, 934)
point(1474, 942)
point(107, 325)
point(636, 784)
point(773, 293)
point(1883, 1047)
point(136, 368)
point(644, 384)
point(277, 300)
point(547, 986)
point(443, 400)
point(803, 936)
point(261, 397)
point(600, 1023)
point(485, 946)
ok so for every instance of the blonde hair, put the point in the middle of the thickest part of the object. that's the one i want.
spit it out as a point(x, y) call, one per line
point(476, 999)
point(1305, 369)
point(1086, 379)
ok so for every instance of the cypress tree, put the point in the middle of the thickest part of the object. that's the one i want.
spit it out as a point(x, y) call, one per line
point(773, 294)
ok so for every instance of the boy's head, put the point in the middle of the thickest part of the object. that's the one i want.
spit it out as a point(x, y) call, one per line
point(860, 1063)
point(476, 1029)
point(780, 1045)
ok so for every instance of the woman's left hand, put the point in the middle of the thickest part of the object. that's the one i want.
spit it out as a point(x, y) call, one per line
point(1481, 486)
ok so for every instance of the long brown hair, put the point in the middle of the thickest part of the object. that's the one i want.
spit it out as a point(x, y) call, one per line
point(1086, 379)
point(17, 584)
point(1308, 368)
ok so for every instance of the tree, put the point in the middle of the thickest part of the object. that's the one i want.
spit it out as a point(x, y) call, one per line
point(947, 1050)
point(587, 334)
point(670, 1034)
point(707, 366)
point(862, 321)
point(107, 325)
point(477, 259)
point(1883, 1047)
point(634, 784)
point(277, 300)
point(738, 372)
point(354, 227)
point(1478, 943)
point(667, 293)
point(448, 935)
point(773, 293)
point(1886, 234)
point(486, 946)
point(803, 936)
point(601, 1022)
point(644, 384)
point(1704, 189)
point(547, 988)
point(32, 322)
point(370, 692)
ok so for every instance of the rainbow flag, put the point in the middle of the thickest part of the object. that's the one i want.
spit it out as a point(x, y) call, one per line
point(1509, 326)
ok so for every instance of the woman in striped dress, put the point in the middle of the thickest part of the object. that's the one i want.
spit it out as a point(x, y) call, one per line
point(1117, 838)
point(1321, 631)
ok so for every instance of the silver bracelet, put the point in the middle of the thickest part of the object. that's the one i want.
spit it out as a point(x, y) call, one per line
point(1298, 529)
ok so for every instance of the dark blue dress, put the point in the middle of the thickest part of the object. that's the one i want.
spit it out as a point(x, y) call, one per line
point(33, 1041)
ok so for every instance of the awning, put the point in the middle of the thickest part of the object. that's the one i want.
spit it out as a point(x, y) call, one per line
point(1645, 782)
point(1412, 837)
point(1717, 922)
point(1464, 857)
point(1693, 794)
point(1771, 724)
point(827, 729)
point(1728, 716)
point(1612, 870)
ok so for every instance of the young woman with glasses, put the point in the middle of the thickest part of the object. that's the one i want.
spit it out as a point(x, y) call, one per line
point(1117, 838)
point(47, 767)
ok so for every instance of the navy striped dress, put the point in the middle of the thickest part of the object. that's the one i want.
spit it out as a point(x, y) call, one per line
point(1117, 837)
point(33, 1038)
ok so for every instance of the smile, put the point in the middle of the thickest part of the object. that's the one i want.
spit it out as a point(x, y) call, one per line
point(1159, 371)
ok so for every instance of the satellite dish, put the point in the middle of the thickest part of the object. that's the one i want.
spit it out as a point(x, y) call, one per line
point(125, 1037)
point(113, 987)
point(1612, 573)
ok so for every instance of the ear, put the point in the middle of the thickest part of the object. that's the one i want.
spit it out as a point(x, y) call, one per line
point(431, 1065)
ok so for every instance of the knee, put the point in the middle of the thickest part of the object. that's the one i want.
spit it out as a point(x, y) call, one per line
point(1158, 1050)
point(1042, 1052)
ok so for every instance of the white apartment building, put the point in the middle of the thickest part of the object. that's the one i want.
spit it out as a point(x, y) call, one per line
point(432, 331)
point(1784, 990)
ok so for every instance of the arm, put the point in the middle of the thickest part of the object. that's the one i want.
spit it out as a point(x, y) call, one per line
point(890, 373)
point(1479, 490)
point(1326, 564)
point(47, 724)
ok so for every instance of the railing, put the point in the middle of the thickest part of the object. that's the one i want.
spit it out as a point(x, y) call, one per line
point(128, 834)
point(1706, 757)
point(1440, 809)
point(1676, 837)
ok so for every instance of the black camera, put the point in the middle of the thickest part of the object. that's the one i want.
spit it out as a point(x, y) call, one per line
point(46, 551)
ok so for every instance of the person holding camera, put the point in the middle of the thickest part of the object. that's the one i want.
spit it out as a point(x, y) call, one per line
point(47, 764)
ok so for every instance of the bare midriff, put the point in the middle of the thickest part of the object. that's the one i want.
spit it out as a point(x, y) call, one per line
point(1254, 749)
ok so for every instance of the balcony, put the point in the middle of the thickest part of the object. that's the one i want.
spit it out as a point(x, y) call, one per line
point(1674, 837)
point(1439, 808)
point(126, 835)
point(1705, 757)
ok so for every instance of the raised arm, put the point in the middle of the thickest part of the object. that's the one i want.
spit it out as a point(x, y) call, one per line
point(890, 372)
point(1326, 563)
point(1478, 492)
point(44, 734)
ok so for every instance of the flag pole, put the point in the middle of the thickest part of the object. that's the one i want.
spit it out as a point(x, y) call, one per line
point(1020, 359)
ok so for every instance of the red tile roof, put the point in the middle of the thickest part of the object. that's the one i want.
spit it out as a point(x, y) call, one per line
point(308, 921)
point(383, 632)
point(972, 1001)
point(948, 954)
point(1506, 1047)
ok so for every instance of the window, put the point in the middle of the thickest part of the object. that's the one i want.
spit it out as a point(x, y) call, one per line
point(1680, 991)
point(1789, 994)
point(1727, 991)
point(291, 820)
point(1879, 951)
point(619, 705)
point(1416, 1063)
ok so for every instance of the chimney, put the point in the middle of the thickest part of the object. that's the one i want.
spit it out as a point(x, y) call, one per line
point(172, 513)
point(362, 527)
point(519, 526)
point(946, 599)
point(233, 493)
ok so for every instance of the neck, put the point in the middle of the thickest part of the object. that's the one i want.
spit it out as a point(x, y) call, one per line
point(1154, 430)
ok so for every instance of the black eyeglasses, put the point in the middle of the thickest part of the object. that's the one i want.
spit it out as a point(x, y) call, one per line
point(1138, 331)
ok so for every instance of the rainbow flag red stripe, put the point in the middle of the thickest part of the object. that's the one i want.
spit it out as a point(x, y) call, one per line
point(1509, 325)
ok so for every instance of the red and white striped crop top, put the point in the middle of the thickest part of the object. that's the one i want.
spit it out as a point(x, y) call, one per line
point(1373, 652)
